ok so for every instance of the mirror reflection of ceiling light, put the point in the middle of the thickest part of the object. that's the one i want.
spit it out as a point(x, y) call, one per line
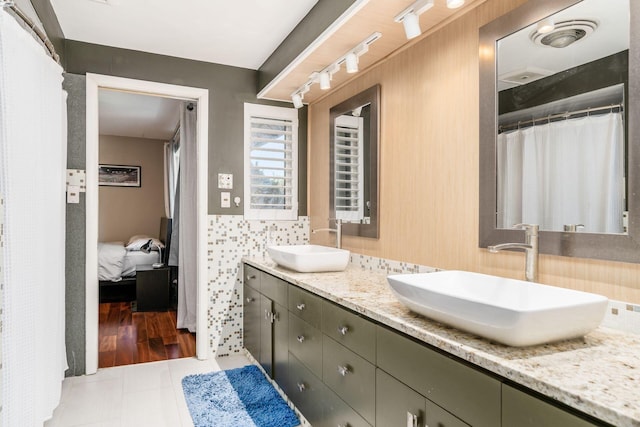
point(545, 26)
point(564, 33)
point(454, 4)
point(409, 17)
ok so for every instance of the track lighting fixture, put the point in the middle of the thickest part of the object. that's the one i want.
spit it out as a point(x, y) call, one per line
point(409, 17)
point(324, 76)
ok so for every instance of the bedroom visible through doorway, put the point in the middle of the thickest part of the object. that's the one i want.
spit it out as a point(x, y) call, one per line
point(139, 267)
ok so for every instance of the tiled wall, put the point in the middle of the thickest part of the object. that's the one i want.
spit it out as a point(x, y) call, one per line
point(230, 237)
point(623, 317)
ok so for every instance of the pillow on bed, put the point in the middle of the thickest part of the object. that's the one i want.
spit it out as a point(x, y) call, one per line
point(138, 241)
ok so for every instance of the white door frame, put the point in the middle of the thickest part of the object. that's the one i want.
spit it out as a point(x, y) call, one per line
point(94, 83)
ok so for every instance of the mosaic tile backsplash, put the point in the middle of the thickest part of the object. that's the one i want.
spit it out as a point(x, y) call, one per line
point(230, 237)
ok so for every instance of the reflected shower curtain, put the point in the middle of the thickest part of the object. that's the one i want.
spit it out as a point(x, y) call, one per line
point(566, 172)
point(171, 168)
point(32, 184)
point(185, 220)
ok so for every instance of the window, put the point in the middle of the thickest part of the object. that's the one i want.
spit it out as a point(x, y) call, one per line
point(348, 160)
point(271, 162)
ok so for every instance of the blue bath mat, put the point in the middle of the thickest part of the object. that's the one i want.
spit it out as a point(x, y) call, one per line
point(239, 397)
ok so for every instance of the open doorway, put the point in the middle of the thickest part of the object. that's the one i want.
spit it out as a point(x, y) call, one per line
point(95, 230)
point(138, 266)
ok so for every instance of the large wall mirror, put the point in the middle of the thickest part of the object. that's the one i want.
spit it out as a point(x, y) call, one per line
point(559, 101)
point(353, 196)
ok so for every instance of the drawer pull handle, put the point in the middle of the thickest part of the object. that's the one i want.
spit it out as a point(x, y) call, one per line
point(343, 370)
point(300, 306)
point(301, 387)
point(300, 338)
point(249, 299)
point(252, 277)
point(412, 420)
point(343, 329)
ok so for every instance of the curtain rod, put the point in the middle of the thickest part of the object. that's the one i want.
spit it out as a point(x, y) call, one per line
point(565, 115)
point(37, 31)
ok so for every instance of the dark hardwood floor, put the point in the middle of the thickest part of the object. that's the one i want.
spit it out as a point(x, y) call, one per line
point(137, 337)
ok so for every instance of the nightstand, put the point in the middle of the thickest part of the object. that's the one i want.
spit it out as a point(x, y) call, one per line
point(152, 288)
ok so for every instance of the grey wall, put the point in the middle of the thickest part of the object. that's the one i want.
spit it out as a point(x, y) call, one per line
point(229, 88)
point(51, 25)
point(76, 228)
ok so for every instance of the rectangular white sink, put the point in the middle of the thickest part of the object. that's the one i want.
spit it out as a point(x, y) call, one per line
point(509, 311)
point(309, 258)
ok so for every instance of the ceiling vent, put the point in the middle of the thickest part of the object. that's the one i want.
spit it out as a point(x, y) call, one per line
point(565, 33)
point(524, 75)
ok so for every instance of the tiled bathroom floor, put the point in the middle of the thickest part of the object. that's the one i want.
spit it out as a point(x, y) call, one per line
point(148, 394)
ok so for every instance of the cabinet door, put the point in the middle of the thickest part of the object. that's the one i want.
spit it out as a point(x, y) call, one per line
point(397, 404)
point(280, 344)
point(266, 335)
point(520, 409)
point(338, 413)
point(252, 321)
point(305, 342)
point(306, 391)
point(251, 277)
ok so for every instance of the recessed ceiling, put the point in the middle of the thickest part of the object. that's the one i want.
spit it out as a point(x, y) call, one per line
point(230, 32)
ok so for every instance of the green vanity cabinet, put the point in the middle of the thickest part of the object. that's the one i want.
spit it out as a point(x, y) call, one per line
point(469, 394)
point(520, 409)
point(352, 331)
point(305, 343)
point(338, 413)
point(252, 320)
point(351, 377)
point(399, 405)
point(306, 391)
point(306, 306)
point(266, 322)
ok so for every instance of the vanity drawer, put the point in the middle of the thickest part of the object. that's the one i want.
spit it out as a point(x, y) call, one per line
point(305, 305)
point(351, 377)
point(306, 391)
point(274, 288)
point(251, 277)
point(338, 413)
point(305, 342)
point(350, 330)
point(471, 395)
point(520, 409)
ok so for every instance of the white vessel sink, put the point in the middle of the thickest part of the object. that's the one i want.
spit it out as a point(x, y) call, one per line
point(309, 258)
point(509, 311)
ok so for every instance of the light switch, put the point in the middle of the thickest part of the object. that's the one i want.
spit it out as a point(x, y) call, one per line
point(225, 199)
point(73, 194)
point(225, 181)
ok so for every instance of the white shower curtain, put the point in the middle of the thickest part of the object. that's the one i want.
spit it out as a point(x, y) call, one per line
point(566, 172)
point(32, 184)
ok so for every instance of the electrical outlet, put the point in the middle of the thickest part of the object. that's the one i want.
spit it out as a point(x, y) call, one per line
point(225, 181)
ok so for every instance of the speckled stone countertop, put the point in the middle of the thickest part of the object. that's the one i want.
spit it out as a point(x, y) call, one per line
point(598, 374)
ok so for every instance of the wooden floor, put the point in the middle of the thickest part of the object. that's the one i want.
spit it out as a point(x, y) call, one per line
point(127, 338)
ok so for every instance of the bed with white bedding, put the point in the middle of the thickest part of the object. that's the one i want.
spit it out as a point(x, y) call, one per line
point(117, 262)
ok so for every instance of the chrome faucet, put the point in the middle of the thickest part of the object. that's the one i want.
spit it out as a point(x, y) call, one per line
point(337, 230)
point(530, 248)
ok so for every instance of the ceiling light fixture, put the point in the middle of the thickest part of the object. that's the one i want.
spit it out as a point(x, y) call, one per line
point(323, 77)
point(454, 4)
point(564, 33)
point(409, 17)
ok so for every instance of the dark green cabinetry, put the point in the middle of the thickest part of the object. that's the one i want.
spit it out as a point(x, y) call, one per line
point(520, 409)
point(252, 320)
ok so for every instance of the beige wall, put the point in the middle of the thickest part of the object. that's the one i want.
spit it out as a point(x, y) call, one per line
point(125, 211)
point(429, 165)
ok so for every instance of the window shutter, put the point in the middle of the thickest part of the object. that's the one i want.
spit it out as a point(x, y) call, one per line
point(271, 143)
point(348, 167)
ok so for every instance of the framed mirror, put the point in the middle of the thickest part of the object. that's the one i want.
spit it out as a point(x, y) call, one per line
point(559, 102)
point(353, 195)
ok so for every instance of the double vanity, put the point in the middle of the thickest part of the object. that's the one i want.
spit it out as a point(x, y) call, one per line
point(348, 353)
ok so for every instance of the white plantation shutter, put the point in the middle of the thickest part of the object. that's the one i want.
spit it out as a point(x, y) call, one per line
point(271, 162)
point(349, 173)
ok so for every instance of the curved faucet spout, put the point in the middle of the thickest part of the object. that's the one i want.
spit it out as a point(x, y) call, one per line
point(503, 246)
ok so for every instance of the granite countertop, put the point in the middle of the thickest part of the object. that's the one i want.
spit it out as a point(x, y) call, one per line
point(598, 374)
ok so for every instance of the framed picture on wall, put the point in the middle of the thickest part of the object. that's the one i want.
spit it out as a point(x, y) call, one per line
point(120, 176)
